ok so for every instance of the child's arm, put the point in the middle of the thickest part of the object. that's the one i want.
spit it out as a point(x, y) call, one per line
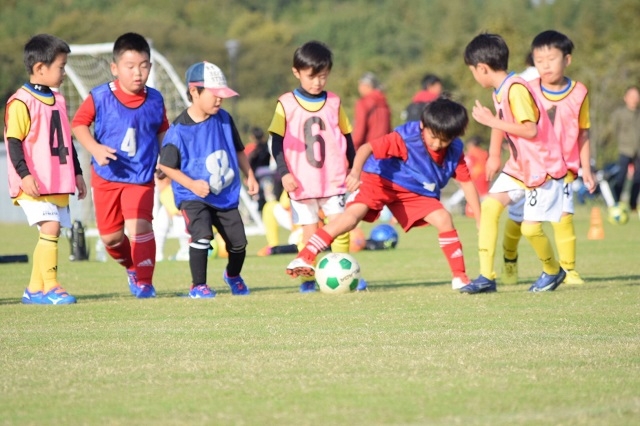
point(483, 115)
point(353, 178)
point(494, 162)
point(473, 199)
point(585, 160)
point(198, 187)
point(102, 153)
point(252, 184)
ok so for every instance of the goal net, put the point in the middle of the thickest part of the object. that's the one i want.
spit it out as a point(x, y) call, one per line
point(89, 65)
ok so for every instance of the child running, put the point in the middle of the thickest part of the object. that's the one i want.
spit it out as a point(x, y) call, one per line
point(406, 170)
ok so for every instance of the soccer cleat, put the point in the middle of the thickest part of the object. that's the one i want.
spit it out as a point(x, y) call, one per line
point(145, 291)
point(264, 251)
point(458, 282)
point(29, 298)
point(479, 285)
point(300, 267)
point(201, 291)
point(362, 285)
point(548, 282)
point(308, 287)
point(509, 272)
point(132, 279)
point(236, 284)
point(57, 296)
point(573, 277)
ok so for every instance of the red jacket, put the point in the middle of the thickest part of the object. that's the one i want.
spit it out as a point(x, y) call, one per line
point(372, 118)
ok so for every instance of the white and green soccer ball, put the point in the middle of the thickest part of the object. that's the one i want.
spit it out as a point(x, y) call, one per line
point(337, 273)
point(618, 215)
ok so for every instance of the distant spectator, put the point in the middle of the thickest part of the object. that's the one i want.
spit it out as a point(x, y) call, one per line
point(260, 162)
point(431, 90)
point(372, 112)
point(624, 128)
point(259, 155)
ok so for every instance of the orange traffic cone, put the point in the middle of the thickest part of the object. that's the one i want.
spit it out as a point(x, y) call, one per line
point(596, 230)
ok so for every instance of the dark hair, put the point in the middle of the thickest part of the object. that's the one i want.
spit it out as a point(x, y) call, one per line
point(257, 133)
point(475, 140)
point(130, 41)
point(489, 49)
point(555, 39)
point(313, 54)
point(445, 118)
point(43, 48)
point(189, 97)
point(429, 80)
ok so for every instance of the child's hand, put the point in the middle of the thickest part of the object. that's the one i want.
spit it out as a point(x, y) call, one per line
point(30, 186)
point(82, 187)
point(492, 167)
point(482, 114)
point(289, 183)
point(589, 181)
point(253, 187)
point(200, 188)
point(352, 182)
point(103, 154)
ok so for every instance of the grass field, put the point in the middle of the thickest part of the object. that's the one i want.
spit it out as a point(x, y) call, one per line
point(408, 352)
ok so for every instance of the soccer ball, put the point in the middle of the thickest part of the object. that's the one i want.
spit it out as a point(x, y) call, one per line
point(618, 215)
point(385, 235)
point(337, 273)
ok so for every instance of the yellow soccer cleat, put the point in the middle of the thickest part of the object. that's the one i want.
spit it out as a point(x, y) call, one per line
point(573, 277)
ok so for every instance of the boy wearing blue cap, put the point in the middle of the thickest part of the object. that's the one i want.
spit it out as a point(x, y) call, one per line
point(203, 155)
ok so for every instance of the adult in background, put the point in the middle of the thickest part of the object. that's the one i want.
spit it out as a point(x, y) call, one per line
point(372, 112)
point(624, 128)
point(431, 90)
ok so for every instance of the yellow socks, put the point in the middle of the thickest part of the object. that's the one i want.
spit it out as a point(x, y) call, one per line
point(341, 243)
point(565, 236)
point(511, 239)
point(44, 273)
point(270, 223)
point(491, 209)
point(542, 246)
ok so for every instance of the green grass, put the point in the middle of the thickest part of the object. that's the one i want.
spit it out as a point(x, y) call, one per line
point(409, 351)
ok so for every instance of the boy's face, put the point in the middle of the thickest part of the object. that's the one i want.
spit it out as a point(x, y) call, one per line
point(550, 63)
point(204, 103)
point(312, 83)
point(432, 141)
point(50, 75)
point(132, 69)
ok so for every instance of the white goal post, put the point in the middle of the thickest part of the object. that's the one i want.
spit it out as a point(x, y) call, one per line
point(89, 65)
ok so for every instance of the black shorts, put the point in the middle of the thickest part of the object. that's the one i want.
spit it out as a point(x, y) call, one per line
point(200, 217)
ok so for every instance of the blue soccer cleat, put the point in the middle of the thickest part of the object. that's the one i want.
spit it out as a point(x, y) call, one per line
point(132, 279)
point(479, 285)
point(548, 282)
point(362, 285)
point(57, 296)
point(201, 291)
point(236, 284)
point(145, 291)
point(308, 287)
point(29, 298)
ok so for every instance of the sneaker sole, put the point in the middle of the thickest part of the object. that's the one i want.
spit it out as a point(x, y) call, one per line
point(301, 272)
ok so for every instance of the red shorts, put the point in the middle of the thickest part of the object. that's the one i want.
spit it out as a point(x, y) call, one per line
point(407, 207)
point(116, 202)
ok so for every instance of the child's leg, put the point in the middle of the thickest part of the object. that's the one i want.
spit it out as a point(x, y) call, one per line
point(565, 236)
point(449, 242)
point(143, 249)
point(533, 232)
point(229, 225)
point(491, 209)
point(44, 273)
point(324, 236)
point(270, 223)
point(512, 231)
point(161, 225)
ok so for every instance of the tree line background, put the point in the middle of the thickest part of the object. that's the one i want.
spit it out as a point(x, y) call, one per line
point(399, 40)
